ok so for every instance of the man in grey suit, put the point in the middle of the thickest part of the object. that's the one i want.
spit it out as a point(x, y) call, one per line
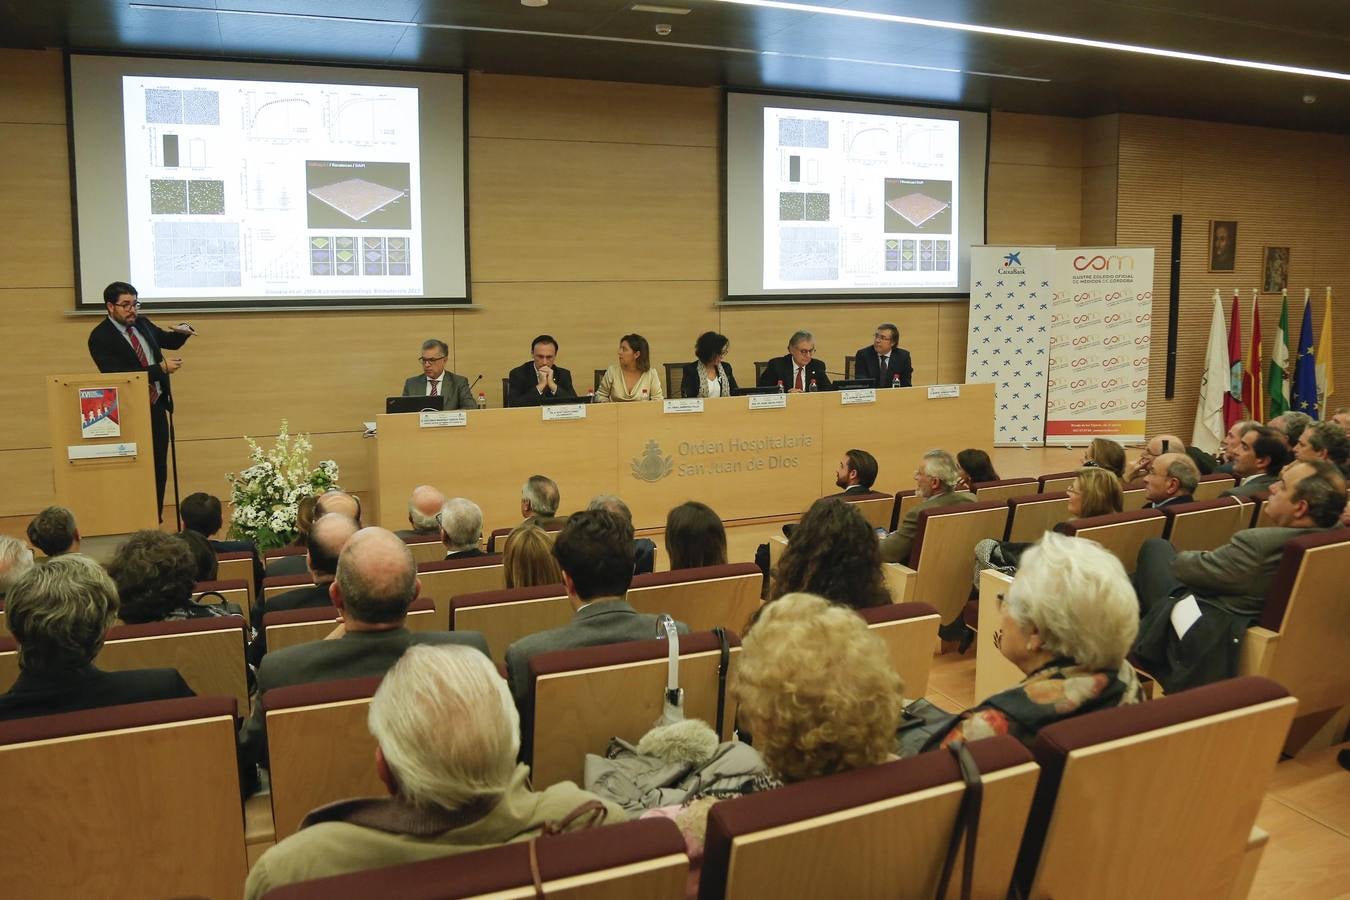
point(935, 480)
point(1257, 461)
point(1226, 587)
point(435, 381)
point(595, 551)
point(376, 583)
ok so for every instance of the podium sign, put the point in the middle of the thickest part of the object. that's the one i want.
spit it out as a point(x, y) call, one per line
point(103, 462)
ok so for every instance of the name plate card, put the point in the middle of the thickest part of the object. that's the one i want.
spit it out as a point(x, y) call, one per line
point(768, 401)
point(686, 405)
point(434, 418)
point(563, 411)
point(99, 451)
point(943, 391)
point(858, 395)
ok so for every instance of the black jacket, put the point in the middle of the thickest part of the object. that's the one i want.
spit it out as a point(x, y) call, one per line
point(780, 369)
point(691, 375)
point(48, 693)
point(867, 365)
point(112, 353)
point(522, 384)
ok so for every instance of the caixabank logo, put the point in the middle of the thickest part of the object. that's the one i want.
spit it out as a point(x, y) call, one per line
point(1012, 264)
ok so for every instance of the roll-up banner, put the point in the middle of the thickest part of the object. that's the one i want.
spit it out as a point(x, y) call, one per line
point(1007, 342)
point(1100, 327)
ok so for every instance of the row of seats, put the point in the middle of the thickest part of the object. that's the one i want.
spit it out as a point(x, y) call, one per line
point(1051, 818)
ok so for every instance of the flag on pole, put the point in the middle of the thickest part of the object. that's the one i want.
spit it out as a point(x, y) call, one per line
point(1325, 377)
point(1277, 380)
point(1209, 429)
point(1303, 396)
point(1253, 387)
point(1232, 401)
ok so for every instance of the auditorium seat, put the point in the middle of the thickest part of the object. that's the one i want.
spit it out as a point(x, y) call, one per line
point(876, 833)
point(300, 626)
point(993, 671)
point(124, 801)
point(1211, 486)
point(238, 564)
point(1121, 533)
point(425, 547)
point(904, 502)
point(4, 620)
point(942, 557)
point(1135, 495)
point(760, 367)
point(276, 585)
point(208, 653)
point(1260, 519)
point(627, 860)
point(504, 616)
point(319, 747)
point(278, 552)
point(1032, 515)
point(1204, 524)
point(876, 507)
point(599, 375)
point(674, 380)
point(893, 574)
point(232, 590)
point(506, 392)
point(451, 577)
point(579, 699)
point(1004, 489)
point(1154, 799)
point(1303, 637)
point(910, 632)
point(702, 598)
point(1055, 482)
point(850, 367)
point(496, 542)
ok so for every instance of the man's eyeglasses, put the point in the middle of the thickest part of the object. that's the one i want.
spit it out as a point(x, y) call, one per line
point(426, 362)
point(130, 304)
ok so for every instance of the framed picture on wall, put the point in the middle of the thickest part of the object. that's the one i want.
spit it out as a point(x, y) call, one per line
point(1274, 269)
point(1222, 245)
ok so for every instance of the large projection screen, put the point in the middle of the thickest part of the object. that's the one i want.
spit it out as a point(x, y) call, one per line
point(833, 199)
point(216, 184)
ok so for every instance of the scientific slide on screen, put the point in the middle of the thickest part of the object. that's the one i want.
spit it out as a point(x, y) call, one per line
point(859, 201)
point(272, 189)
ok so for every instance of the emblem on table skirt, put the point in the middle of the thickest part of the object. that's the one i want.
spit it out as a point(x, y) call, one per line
point(652, 465)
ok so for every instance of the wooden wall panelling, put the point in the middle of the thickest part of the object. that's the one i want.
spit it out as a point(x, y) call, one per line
point(1101, 172)
point(1030, 140)
point(34, 187)
point(953, 325)
point(32, 87)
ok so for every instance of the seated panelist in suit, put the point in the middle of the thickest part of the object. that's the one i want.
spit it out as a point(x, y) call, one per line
point(435, 381)
point(797, 371)
point(884, 362)
point(632, 377)
point(539, 379)
point(709, 375)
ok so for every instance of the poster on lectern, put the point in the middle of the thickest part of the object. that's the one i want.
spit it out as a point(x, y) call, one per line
point(1007, 341)
point(1100, 325)
point(100, 413)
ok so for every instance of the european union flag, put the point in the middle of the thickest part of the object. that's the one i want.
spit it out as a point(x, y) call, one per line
point(1303, 395)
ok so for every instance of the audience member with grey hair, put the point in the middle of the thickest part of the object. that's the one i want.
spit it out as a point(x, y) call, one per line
point(376, 583)
point(447, 736)
point(15, 559)
point(1171, 478)
point(53, 531)
point(461, 528)
point(1291, 425)
point(539, 499)
point(798, 371)
point(1067, 622)
point(1324, 440)
point(935, 480)
point(644, 549)
point(59, 613)
point(424, 510)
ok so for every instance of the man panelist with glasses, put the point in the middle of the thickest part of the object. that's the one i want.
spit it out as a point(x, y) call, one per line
point(435, 381)
point(798, 371)
point(128, 342)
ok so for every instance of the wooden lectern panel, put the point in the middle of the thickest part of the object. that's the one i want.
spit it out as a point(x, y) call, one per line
point(112, 494)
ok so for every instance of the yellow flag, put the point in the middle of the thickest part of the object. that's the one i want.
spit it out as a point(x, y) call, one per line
point(1325, 377)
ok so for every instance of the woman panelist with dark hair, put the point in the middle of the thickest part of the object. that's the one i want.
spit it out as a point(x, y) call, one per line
point(631, 378)
point(709, 375)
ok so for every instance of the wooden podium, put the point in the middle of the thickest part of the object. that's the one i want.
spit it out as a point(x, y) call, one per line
point(103, 455)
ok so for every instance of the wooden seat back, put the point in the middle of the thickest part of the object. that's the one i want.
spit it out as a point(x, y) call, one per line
point(944, 552)
point(1056, 482)
point(300, 626)
point(233, 590)
point(448, 578)
point(993, 671)
point(1135, 496)
point(1204, 524)
point(702, 598)
point(235, 565)
point(910, 632)
point(1004, 489)
point(276, 585)
point(505, 616)
point(1121, 533)
point(1212, 485)
point(426, 548)
point(904, 502)
point(100, 799)
point(876, 507)
point(1029, 517)
point(836, 836)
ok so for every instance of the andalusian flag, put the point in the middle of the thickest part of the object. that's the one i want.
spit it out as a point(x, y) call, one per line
point(1253, 388)
point(1278, 378)
point(1325, 377)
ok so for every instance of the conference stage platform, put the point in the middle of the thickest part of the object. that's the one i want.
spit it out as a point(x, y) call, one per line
point(742, 461)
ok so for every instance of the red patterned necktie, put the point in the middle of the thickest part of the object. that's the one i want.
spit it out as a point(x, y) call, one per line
point(144, 361)
point(798, 383)
point(435, 387)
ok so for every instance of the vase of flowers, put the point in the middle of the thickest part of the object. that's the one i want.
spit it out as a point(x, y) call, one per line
point(266, 494)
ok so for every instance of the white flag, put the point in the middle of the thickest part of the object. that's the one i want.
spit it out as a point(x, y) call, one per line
point(1209, 432)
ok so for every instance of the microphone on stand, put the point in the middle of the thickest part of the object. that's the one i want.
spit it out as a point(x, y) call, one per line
point(475, 383)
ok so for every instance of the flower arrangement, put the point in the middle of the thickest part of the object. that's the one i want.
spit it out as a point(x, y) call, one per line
point(266, 494)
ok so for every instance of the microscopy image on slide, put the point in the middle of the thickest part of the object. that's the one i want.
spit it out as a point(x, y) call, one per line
point(398, 256)
point(170, 107)
point(168, 196)
point(794, 206)
point(206, 197)
point(808, 253)
point(345, 194)
point(909, 256)
point(163, 107)
point(916, 204)
point(196, 254)
point(892, 255)
point(814, 133)
point(373, 256)
point(344, 251)
point(817, 207)
point(321, 256)
point(201, 108)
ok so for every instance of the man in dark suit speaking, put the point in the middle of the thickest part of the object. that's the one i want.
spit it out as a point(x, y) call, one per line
point(435, 381)
point(539, 379)
point(126, 342)
point(799, 370)
point(883, 362)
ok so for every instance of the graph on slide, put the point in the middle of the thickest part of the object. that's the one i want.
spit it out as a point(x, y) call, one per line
point(363, 120)
point(269, 117)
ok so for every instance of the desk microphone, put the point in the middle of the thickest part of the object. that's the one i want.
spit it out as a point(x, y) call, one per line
point(475, 383)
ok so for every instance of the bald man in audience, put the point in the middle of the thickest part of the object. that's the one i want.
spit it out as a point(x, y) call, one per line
point(424, 508)
point(1171, 479)
point(1214, 596)
point(53, 531)
point(332, 500)
point(376, 583)
point(15, 559)
point(461, 528)
point(1156, 446)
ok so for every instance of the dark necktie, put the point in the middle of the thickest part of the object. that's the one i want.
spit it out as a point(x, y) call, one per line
point(145, 362)
point(881, 373)
point(798, 384)
point(435, 388)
